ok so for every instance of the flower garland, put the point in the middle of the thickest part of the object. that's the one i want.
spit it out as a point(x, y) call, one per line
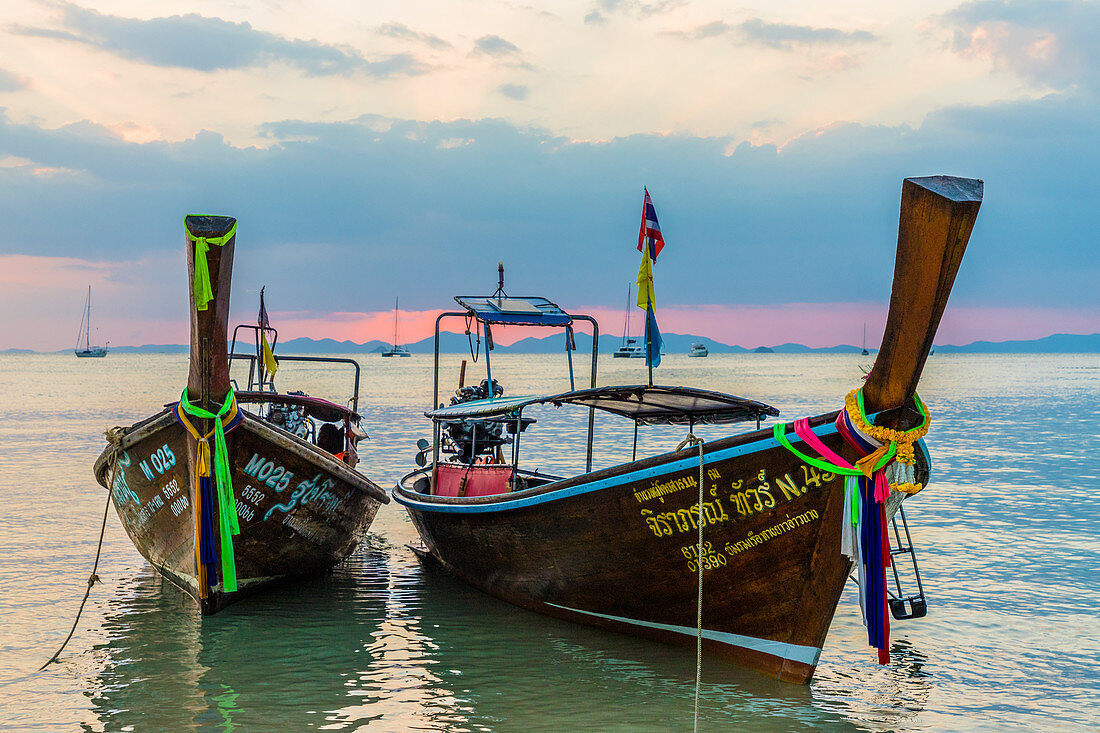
point(902, 439)
point(901, 475)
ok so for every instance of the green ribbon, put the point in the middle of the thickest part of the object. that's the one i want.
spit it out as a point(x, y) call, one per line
point(203, 292)
point(778, 432)
point(916, 400)
point(227, 504)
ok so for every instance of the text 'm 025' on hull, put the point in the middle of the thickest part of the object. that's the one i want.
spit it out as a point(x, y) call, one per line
point(618, 548)
point(284, 474)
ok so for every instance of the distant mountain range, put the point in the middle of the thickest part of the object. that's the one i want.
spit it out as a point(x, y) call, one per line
point(674, 343)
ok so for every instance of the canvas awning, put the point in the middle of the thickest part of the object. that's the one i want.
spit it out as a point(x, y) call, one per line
point(656, 405)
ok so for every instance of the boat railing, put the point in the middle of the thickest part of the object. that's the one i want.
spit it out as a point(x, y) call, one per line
point(255, 386)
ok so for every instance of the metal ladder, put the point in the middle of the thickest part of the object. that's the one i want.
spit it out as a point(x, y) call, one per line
point(905, 606)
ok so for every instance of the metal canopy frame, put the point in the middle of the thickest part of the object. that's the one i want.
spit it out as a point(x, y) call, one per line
point(260, 381)
point(528, 310)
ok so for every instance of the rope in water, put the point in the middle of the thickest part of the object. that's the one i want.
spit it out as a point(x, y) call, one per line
point(92, 580)
point(689, 441)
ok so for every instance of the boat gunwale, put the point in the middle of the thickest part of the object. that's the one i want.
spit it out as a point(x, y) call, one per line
point(721, 449)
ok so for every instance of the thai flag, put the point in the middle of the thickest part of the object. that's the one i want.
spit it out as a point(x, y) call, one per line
point(650, 231)
point(269, 360)
point(650, 243)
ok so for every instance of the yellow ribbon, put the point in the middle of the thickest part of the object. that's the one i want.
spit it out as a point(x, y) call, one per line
point(868, 463)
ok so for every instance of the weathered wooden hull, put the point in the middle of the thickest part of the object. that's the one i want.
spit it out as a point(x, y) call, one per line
point(617, 548)
point(300, 510)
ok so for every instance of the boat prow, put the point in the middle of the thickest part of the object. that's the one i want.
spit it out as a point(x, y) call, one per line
point(221, 500)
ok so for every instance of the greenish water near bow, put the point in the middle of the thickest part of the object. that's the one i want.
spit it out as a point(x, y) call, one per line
point(1006, 536)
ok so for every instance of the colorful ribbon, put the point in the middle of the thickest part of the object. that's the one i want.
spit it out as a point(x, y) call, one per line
point(864, 536)
point(227, 503)
point(203, 292)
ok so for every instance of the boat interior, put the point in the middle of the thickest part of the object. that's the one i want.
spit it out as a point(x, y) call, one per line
point(475, 449)
point(330, 426)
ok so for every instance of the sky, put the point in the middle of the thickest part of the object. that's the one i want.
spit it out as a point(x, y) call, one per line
point(400, 149)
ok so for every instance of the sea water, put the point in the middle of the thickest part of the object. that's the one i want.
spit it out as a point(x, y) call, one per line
point(1006, 537)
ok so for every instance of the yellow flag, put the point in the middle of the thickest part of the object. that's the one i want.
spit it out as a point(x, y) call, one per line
point(270, 364)
point(647, 298)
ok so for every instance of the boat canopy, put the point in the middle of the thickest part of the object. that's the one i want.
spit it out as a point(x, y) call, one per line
point(514, 311)
point(645, 405)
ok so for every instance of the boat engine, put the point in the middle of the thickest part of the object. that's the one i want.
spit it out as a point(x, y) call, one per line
point(290, 418)
point(470, 438)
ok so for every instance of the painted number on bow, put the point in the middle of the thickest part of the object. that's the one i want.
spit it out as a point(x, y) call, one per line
point(161, 459)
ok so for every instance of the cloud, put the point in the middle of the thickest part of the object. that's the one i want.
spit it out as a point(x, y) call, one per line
point(785, 35)
point(12, 82)
point(776, 35)
point(604, 8)
point(501, 50)
point(1052, 43)
point(514, 91)
point(404, 33)
point(495, 46)
point(361, 205)
point(211, 44)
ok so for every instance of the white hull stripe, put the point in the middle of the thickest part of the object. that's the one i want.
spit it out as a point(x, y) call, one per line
point(804, 654)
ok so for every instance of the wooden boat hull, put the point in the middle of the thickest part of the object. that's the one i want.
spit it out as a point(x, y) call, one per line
point(617, 549)
point(300, 510)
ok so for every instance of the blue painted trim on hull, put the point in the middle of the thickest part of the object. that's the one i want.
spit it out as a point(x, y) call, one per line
point(626, 478)
point(804, 654)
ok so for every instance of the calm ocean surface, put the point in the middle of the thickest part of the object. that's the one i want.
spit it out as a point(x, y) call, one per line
point(1006, 535)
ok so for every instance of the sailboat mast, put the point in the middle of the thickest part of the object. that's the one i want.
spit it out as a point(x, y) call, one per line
point(88, 332)
point(626, 328)
point(395, 302)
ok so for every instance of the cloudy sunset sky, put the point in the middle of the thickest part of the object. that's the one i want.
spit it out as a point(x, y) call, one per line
point(371, 150)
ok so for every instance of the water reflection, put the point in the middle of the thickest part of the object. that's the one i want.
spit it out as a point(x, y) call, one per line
point(384, 644)
point(1005, 535)
point(282, 656)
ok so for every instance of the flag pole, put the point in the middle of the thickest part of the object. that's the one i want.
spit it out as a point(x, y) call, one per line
point(648, 349)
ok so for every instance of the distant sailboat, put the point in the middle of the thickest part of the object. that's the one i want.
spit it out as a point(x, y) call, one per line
point(85, 333)
point(629, 348)
point(397, 349)
point(865, 351)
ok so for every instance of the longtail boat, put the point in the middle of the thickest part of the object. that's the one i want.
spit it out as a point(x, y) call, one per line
point(741, 545)
point(225, 491)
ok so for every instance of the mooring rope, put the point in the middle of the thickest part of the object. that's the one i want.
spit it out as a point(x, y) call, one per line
point(689, 441)
point(92, 580)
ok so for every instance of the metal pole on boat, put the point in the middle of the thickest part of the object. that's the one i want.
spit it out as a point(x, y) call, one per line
point(435, 393)
point(648, 351)
point(435, 404)
point(592, 385)
point(488, 365)
point(569, 355)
